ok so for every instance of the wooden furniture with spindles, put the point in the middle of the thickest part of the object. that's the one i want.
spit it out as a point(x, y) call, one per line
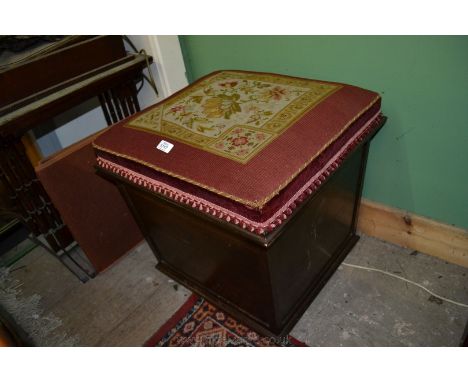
point(41, 88)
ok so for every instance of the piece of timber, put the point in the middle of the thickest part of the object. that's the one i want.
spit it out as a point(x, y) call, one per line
point(80, 89)
point(408, 230)
point(58, 66)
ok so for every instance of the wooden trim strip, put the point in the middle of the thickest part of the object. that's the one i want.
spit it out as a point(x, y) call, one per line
point(30, 145)
point(408, 230)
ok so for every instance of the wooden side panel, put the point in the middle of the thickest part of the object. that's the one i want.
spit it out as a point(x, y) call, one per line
point(202, 254)
point(92, 208)
point(312, 240)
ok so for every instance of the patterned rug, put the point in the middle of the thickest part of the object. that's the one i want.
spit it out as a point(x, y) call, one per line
point(40, 329)
point(199, 323)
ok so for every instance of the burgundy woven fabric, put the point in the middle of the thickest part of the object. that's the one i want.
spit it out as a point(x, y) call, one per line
point(265, 184)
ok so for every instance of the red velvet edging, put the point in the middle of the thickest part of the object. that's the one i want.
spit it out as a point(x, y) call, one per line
point(218, 211)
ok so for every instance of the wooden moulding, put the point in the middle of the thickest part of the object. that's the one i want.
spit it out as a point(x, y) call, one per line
point(408, 230)
point(32, 152)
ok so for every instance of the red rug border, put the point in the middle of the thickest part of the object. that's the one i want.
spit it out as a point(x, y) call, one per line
point(180, 313)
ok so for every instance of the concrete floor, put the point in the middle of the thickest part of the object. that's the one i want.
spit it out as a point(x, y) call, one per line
point(126, 304)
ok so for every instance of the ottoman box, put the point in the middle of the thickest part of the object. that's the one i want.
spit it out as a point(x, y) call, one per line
point(246, 186)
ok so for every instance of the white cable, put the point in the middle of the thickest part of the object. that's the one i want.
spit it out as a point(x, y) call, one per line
point(408, 281)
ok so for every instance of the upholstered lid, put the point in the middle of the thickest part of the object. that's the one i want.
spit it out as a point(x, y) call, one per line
point(244, 136)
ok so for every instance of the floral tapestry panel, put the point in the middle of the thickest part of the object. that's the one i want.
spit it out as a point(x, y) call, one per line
point(234, 114)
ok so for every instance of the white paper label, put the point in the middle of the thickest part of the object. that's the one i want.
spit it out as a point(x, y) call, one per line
point(165, 146)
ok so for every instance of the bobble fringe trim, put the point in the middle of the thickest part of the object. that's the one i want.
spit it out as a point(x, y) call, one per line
point(259, 228)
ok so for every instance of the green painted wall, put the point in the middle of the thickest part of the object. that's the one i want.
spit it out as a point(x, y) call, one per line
point(419, 160)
